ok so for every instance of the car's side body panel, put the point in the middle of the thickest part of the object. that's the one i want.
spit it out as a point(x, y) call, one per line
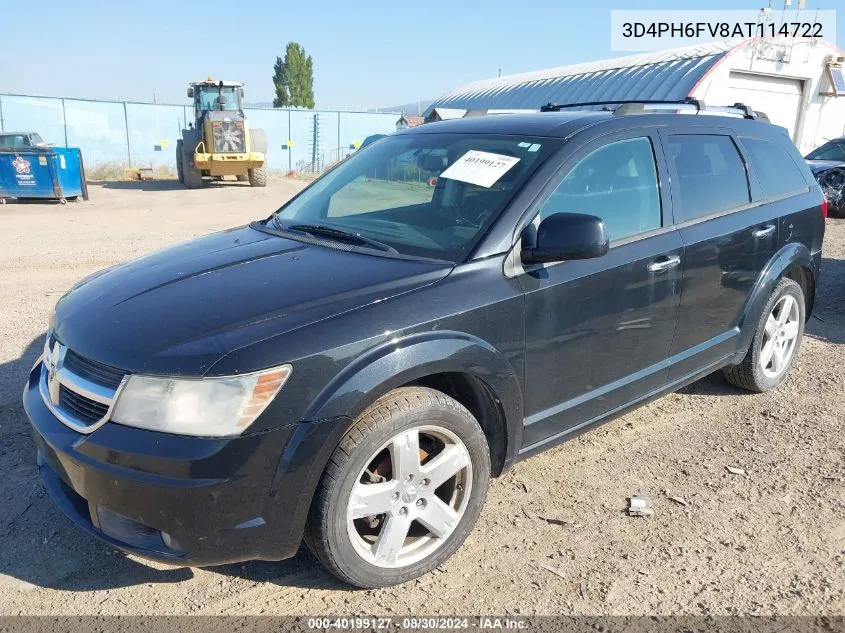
point(600, 333)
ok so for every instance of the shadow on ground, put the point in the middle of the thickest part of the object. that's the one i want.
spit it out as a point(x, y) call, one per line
point(301, 571)
point(164, 185)
point(712, 385)
point(142, 185)
point(827, 322)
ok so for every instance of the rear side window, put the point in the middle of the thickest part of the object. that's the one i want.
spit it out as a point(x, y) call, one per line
point(616, 182)
point(710, 173)
point(775, 168)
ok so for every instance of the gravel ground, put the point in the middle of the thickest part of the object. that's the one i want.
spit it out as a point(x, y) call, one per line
point(553, 538)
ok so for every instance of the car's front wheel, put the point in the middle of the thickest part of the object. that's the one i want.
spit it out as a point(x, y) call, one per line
point(402, 490)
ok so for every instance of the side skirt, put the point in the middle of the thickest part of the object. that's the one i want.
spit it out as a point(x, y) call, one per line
point(554, 440)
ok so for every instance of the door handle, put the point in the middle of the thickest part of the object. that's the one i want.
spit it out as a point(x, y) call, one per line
point(764, 231)
point(664, 263)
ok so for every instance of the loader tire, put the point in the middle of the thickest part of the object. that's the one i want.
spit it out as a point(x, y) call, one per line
point(179, 173)
point(258, 177)
point(191, 178)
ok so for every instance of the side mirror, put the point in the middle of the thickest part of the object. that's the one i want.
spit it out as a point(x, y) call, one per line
point(190, 93)
point(564, 236)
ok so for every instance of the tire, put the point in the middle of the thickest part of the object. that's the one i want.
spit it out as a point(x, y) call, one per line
point(760, 371)
point(257, 177)
point(179, 173)
point(354, 550)
point(243, 178)
point(191, 178)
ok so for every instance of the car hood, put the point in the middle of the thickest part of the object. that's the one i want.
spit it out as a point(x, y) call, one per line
point(818, 166)
point(180, 310)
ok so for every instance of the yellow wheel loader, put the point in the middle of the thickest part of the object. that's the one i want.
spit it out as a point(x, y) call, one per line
point(220, 142)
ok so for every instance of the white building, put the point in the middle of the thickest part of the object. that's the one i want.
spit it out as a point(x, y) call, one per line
point(799, 84)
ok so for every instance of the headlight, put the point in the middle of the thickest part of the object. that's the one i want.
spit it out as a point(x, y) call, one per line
point(215, 407)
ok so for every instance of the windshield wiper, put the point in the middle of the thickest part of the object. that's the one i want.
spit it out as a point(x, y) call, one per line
point(314, 230)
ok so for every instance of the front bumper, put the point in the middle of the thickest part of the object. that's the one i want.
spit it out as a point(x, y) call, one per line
point(228, 164)
point(184, 500)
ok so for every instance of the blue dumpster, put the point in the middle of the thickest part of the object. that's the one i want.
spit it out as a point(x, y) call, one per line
point(51, 173)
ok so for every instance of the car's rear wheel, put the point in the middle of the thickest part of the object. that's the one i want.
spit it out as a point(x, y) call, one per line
point(402, 491)
point(776, 341)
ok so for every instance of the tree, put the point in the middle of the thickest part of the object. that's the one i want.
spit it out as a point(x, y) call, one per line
point(282, 97)
point(293, 78)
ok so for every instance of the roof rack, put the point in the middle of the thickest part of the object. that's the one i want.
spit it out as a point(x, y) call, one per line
point(640, 106)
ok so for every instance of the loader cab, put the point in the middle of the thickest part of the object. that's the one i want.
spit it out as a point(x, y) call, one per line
point(216, 96)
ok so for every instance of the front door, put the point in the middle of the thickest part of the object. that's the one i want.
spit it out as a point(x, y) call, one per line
point(598, 331)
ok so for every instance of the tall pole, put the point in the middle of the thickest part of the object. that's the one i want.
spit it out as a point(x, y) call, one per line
point(126, 123)
point(64, 121)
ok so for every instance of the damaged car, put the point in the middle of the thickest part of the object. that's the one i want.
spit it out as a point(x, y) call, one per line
point(827, 163)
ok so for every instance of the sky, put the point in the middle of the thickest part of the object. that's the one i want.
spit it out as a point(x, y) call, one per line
point(366, 54)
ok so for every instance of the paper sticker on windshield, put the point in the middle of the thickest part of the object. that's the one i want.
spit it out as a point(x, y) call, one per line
point(480, 168)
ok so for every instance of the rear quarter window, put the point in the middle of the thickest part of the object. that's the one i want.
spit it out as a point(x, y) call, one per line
point(775, 168)
point(710, 175)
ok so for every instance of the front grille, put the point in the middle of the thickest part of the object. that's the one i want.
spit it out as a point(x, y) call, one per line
point(228, 136)
point(85, 409)
point(80, 392)
point(92, 370)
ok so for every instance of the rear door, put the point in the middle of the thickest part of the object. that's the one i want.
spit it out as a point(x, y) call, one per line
point(729, 235)
point(598, 331)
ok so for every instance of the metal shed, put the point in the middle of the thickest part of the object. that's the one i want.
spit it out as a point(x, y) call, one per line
point(792, 81)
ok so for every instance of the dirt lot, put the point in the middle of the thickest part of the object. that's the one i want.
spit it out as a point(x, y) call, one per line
point(770, 542)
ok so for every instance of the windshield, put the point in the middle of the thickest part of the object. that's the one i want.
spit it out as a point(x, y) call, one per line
point(207, 99)
point(832, 150)
point(426, 195)
point(14, 140)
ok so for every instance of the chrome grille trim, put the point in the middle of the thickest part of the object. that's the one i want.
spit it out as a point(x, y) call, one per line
point(62, 377)
point(92, 370)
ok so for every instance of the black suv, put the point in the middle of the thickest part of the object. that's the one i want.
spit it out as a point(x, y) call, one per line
point(352, 370)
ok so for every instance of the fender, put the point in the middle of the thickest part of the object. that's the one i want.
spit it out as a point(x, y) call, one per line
point(400, 361)
point(362, 382)
point(190, 138)
point(788, 258)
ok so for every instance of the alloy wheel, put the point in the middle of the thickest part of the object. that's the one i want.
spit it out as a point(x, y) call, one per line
point(410, 497)
point(779, 336)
